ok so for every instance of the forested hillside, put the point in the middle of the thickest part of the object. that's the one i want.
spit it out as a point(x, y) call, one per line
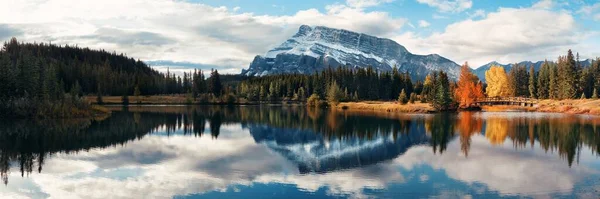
point(36, 69)
point(35, 77)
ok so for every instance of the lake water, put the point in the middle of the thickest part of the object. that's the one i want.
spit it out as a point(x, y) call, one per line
point(292, 152)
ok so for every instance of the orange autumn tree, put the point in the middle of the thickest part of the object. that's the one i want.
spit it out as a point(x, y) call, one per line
point(468, 87)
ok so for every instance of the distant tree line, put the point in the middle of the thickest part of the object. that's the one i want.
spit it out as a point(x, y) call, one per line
point(347, 84)
point(34, 78)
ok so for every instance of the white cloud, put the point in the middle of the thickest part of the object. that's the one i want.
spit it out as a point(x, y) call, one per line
point(453, 6)
point(180, 31)
point(228, 40)
point(507, 35)
point(424, 24)
point(365, 3)
point(477, 13)
point(588, 9)
point(544, 4)
point(500, 168)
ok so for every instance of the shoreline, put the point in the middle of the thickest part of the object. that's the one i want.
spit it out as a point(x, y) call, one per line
point(574, 106)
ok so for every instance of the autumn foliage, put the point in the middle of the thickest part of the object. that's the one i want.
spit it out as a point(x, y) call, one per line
point(469, 88)
point(497, 80)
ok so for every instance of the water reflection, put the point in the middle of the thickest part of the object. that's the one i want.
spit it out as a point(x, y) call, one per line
point(212, 149)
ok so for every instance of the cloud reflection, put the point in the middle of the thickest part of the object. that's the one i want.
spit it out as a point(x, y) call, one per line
point(159, 166)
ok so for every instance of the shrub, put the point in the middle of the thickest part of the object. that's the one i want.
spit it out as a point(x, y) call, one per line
point(229, 99)
point(203, 98)
point(313, 100)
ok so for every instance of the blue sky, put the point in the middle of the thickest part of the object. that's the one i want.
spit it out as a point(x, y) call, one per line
point(227, 34)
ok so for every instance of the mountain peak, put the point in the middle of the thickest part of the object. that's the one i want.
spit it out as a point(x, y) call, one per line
point(316, 48)
point(303, 30)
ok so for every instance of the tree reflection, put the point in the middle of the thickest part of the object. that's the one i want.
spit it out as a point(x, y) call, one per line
point(26, 144)
point(564, 135)
point(442, 131)
point(468, 125)
point(496, 129)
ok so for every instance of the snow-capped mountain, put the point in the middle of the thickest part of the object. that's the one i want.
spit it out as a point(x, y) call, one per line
point(317, 48)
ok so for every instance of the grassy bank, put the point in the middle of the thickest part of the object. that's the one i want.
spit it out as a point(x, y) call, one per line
point(378, 106)
point(591, 107)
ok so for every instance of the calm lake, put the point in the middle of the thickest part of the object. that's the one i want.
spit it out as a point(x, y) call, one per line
point(294, 152)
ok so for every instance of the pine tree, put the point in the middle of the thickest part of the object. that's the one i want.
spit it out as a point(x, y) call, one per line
point(413, 98)
point(532, 83)
point(553, 83)
point(346, 95)
point(408, 85)
point(567, 76)
point(543, 81)
point(262, 94)
point(429, 87)
point(75, 92)
point(442, 100)
point(214, 86)
point(334, 94)
point(301, 94)
point(272, 92)
point(402, 97)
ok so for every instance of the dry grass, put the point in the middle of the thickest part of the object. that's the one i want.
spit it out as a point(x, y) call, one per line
point(570, 106)
point(591, 107)
point(378, 106)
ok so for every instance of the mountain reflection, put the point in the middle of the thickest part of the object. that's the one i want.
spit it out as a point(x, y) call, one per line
point(315, 140)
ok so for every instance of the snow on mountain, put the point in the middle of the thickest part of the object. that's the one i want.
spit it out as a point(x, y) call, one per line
point(314, 49)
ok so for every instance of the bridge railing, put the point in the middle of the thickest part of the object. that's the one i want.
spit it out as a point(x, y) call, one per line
point(506, 99)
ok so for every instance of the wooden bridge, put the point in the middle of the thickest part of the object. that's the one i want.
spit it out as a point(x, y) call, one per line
point(516, 101)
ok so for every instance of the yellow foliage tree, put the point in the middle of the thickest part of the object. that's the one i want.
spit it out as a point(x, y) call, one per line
point(497, 81)
point(468, 87)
